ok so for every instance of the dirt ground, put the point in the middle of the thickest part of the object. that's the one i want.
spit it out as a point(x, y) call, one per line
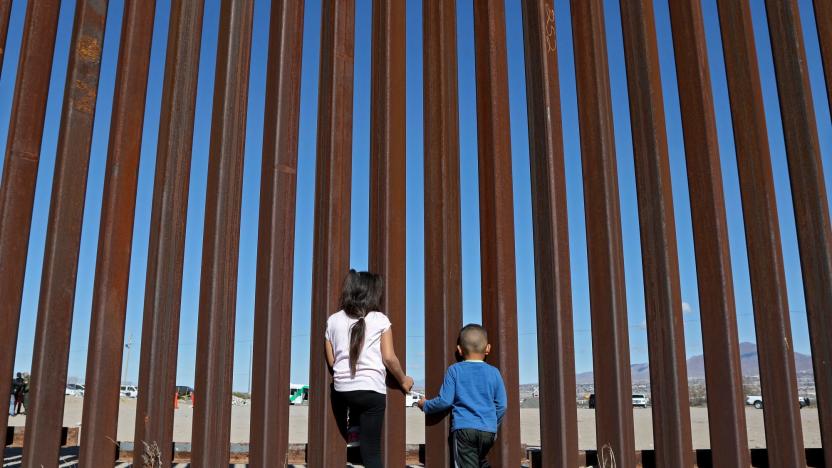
point(529, 421)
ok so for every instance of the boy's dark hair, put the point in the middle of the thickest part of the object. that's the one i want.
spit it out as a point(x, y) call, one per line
point(473, 338)
point(361, 295)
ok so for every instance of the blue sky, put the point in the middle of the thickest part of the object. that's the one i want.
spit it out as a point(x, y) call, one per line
point(415, 195)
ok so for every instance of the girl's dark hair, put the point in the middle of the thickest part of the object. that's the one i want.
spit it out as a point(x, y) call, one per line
point(361, 295)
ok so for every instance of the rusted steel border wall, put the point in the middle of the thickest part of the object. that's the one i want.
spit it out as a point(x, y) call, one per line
point(388, 188)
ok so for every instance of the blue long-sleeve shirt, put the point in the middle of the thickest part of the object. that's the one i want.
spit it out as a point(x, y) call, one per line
point(476, 392)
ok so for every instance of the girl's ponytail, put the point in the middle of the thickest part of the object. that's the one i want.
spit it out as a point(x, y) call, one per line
point(361, 295)
point(356, 342)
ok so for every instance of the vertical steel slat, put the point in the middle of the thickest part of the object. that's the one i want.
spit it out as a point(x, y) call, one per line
point(276, 239)
point(558, 409)
point(331, 244)
point(116, 235)
point(823, 22)
point(499, 282)
point(723, 374)
point(17, 189)
point(220, 255)
point(388, 206)
point(166, 249)
point(663, 300)
point(63, 238)
point(5, 16)
point(784, 439)
point(811, 208)
point(610, 341)
point(443, 244)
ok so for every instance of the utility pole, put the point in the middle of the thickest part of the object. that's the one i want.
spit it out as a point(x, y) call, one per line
point(128, 345)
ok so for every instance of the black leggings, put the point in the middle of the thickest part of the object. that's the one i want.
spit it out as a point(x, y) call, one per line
point(367, 410)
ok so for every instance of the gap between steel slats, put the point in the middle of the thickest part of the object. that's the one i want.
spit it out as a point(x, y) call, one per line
point(762, 233)
point(663, 301)
point(558, 409)
point(63, 238)
point(443, 254)
point(610, 341)
point(388, 184)
point(808, 195)
point(17, 189)
point(723, 373)
point(823, 22)
point(331, 244)
point(220, 255)
point(166, 249)
point(499, 293)
point(276, 238)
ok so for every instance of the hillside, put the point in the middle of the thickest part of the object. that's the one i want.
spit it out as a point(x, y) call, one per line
point(696, 366)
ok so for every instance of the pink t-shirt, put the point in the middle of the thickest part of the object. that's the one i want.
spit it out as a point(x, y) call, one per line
point(370, 372)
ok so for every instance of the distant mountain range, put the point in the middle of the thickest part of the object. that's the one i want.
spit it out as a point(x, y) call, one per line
point(696, 366)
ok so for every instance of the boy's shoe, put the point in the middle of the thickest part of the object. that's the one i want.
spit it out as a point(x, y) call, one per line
point(353, 436)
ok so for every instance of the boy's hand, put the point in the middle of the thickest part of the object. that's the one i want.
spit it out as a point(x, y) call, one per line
point(407, 384)
point(421, 403)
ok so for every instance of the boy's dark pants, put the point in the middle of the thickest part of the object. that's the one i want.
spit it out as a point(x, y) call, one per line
point(470, 447)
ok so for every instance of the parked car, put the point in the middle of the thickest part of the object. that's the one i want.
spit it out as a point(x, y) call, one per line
point(74, 390)
point(412, 398)
point(757, 401)
point(129, 391)
point(640, 400)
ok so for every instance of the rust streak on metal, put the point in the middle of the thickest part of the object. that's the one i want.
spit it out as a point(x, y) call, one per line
point(610, 341)
point(823, 22)
point(784, 438)
point(723, 374)
point(388, 184)
point(663, 300)
point(166, 249)
point(63, 238)
point(811, 208)
point(115, 239)
point(499, 290)
point(220, 255)
point(443, 254)
point(17, 189)
point(558, 411)
point(331, 243)
point(276, 242)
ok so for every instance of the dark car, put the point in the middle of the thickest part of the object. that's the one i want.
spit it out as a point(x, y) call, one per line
point(591, 403)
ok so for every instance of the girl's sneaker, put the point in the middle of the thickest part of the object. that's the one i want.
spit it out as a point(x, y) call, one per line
point(353, 436)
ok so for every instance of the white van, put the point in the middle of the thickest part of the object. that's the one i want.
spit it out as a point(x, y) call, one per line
point(129, 391)
point(412, 398)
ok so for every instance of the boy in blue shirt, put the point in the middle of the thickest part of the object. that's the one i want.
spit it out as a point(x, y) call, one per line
point(476, 393)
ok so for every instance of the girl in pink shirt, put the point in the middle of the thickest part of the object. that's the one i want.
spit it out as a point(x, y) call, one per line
point(359, 351)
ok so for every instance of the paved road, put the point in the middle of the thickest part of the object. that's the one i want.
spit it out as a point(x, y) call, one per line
point(529, 421)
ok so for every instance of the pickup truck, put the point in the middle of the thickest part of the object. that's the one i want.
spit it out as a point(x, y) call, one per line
point(757, 401)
